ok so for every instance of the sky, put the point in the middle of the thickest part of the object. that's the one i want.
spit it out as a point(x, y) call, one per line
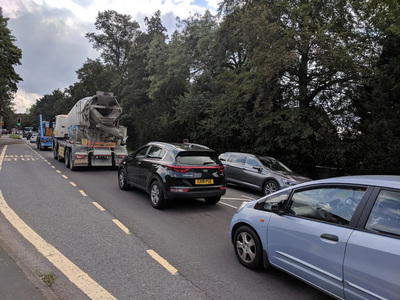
point(51, 35)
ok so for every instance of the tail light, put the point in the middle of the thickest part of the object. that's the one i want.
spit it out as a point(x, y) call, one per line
point(221, 168)
point(179, 169)
point(121, 156)
point(80, 156)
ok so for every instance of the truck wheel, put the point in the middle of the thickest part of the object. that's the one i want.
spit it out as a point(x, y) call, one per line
point(157, 195)
point(71, 163)
point(123, 185)
point(66, 156)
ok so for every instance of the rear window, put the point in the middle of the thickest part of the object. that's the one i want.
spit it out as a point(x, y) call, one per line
point(197, 159)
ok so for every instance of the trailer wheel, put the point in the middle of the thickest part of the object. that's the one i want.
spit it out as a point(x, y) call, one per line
point(66, 155)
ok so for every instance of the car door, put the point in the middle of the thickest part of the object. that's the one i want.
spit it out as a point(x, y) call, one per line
point(309, 240)
point(252, 174)
point(234, 168)
point(372, 259)
point(150, 163)
point(133, 165)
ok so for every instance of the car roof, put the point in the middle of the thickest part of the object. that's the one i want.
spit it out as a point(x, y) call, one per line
point(389, 181)
point(179, 147)
point(249, 154)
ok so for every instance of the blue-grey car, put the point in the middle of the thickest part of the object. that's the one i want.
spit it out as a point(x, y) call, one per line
point(261, 173)
point(340, 235)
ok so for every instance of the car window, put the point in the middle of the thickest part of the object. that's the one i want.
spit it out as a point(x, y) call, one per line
point(385, 215)
point(156, 152)
point(197, 159)
point(224, 157)
point(251, 162)
point(142, 152)
point(238, 159)
point(330, 204)
point(276, 198)
point(274, 164)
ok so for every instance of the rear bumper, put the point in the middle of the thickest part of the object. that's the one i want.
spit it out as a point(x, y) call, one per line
point(194, 193)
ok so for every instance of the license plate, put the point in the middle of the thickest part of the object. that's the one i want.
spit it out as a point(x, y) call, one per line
point(204, 181)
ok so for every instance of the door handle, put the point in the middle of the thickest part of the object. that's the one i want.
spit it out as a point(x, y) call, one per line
point(330, 237)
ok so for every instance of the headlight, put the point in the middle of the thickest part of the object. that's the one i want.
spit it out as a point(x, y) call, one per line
point(241, 206)
point(289, 183)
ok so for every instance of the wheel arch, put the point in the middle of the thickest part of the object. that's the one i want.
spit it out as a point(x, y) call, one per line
point(265, 259)
point(156, 177)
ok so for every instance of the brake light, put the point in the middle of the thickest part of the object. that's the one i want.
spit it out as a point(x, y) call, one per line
point(178, 169)
point(80, 156)
point(121, 156)
point(221, 168)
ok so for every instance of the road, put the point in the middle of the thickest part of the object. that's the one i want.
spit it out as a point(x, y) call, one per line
point(105, 243)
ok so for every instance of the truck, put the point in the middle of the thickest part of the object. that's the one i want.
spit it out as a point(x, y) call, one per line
point(44, 138)
point(90, 135)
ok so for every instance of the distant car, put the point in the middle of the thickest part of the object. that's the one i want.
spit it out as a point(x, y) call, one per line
point(174, 170)
point(261, 173)
point(33, 137)
point(340, 235)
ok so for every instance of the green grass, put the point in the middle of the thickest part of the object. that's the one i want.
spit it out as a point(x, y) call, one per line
point(48, 278)
point(14, 136)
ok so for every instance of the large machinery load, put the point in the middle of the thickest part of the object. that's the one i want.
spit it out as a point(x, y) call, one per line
point(90, 135)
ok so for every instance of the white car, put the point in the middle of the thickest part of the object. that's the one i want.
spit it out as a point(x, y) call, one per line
point(33, 138)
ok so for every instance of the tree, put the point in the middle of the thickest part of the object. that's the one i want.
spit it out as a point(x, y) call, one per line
point(116, 42)
point(305, 61)
point(10, 56)
point(373, 146)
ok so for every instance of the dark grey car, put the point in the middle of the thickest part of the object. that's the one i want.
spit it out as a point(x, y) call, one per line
point(261, 173)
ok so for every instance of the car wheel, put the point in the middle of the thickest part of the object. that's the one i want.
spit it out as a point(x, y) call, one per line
point(157, 195)
point(248, 248)
point(212, 200)
point(66, 157)
point(270, 187)
point(123, 185)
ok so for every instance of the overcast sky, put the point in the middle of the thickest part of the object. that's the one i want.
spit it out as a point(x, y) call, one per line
point(51, 35)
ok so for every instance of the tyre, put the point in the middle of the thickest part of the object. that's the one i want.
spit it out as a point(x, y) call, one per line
point(55, 153)
point(248, 248)
point(71, 163)
point(66, 157)
point(123, 185)
point(213, 200)
point(269, 187)
point(157, 195)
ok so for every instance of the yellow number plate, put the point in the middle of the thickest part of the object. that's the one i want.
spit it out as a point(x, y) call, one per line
point(204, 181)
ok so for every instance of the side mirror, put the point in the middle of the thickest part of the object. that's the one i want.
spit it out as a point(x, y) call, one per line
point(258, 168)
point(277, 208)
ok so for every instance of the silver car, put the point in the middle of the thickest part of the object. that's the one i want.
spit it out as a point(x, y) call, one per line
point(340, 235)
point(260, 173)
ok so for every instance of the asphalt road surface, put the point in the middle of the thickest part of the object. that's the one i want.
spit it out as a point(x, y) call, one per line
point(105, 243)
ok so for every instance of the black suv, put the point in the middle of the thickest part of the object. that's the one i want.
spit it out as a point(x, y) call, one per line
point(174, 170)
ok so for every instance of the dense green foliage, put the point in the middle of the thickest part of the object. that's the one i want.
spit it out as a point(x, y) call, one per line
point(10, 56)
point(312, 83)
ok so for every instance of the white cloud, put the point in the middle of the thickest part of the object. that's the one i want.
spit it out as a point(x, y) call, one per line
point(24, 100)
point(51, 35)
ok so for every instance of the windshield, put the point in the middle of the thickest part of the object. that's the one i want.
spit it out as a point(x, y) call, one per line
point(273, 164)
